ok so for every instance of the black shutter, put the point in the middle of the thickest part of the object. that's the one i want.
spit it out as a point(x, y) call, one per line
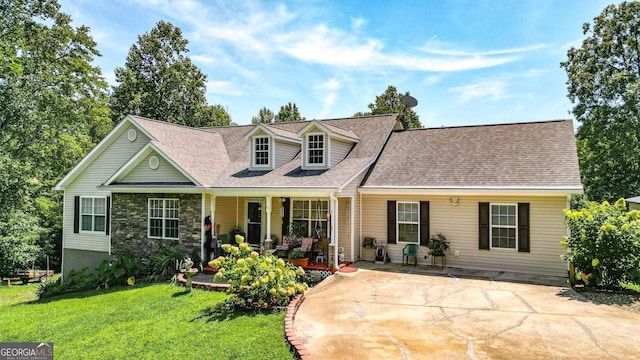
point(424, 223)
point(107, 222)
point(523, 227)
point(76, 214)
point(391, 222)
point(483, 221)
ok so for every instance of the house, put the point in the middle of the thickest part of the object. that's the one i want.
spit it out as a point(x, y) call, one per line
point(496, 192)
point(633, 203)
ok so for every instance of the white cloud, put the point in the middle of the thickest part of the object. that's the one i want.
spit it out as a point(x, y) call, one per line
point(430, 80)
point(331, 85)
point(435, 47)
point(223, 88)
point(490, 88)
point(356, 23)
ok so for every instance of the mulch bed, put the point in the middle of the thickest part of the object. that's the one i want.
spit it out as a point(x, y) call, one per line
point(626, 300)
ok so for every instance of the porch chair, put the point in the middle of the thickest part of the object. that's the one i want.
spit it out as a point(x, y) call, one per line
point(410, 250)
point(322, 250)
point(307, 244)
point(282, 250)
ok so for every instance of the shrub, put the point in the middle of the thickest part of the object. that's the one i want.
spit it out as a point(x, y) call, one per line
point(604, 242)
point(163, 264)
point(257, 281)
point(121, 271)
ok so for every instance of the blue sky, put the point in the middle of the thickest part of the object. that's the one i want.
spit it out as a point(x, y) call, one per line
point(466, 62)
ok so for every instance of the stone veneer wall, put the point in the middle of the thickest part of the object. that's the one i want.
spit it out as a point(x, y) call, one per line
point(129, 221)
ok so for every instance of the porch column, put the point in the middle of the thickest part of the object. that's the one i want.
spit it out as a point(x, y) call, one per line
point(334, 228)
point(202, 231)
point(352, 219)
point(268, 201)
point(212, 213)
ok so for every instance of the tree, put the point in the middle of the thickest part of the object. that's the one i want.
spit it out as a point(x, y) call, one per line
point(604, 84)
point(264, 116)
point(390, 102)
point(52, 111)
point(212, 115)
point(158, 81)
point(289, 113)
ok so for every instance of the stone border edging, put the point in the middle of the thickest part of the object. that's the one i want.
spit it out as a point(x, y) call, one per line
point(203, 285)
point(289, 329)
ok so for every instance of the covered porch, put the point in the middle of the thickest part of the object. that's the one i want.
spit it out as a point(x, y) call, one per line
point(267, 219)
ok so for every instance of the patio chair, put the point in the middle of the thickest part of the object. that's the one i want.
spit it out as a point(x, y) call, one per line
point(408, 251)
point(282, 250)
point(306, 245)
point(322, 250)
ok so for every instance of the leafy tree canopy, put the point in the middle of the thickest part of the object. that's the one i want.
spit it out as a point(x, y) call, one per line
point(604, 84)
point(289, 113)
point(390, 102)
point(160, 82)
point(264, 116)
point(52, 111)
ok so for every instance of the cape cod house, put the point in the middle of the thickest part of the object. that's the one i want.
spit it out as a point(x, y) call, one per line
point(496, 192)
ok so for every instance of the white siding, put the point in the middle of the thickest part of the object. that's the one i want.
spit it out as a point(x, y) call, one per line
point(103, 167)
point(165, 172)
point(460, 225)
point(339, 150)
point(285, 152)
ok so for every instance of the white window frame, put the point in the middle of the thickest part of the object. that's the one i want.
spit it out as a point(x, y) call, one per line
point(93, 215)
point(164, 218)
point(254, 151)
point(323, 149)
point(311, 221)
point(398, 222)
point(492, 226)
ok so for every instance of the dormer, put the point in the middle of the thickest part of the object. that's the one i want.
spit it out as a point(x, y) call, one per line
point(271, 147)
point(324, 145)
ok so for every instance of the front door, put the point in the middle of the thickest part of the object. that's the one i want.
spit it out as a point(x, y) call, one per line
point(254, 222)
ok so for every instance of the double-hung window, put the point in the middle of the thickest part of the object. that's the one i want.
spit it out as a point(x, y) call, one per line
point(408, 218)
point(261, 151)
point(504, 227)
point(309, 217)
point(316, 145)
point(163, 218)
point(93, 214)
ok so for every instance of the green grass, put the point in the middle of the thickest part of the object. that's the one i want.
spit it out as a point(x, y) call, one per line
point(139, 322)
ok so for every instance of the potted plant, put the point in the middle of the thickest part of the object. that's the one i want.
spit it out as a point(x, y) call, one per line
point(438, 244)
point(297, 257)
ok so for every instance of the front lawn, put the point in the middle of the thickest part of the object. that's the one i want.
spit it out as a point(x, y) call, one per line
point(139, 322)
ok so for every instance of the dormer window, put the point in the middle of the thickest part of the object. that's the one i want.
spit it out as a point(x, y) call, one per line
point(316, 146)
point(261, 151)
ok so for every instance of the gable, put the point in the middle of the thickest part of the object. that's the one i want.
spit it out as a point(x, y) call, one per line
point(107, 156)
point(150, 166)
point(153, 168)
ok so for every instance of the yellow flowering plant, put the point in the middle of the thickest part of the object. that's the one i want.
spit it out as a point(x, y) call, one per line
point(604, 242)
point(257, 281)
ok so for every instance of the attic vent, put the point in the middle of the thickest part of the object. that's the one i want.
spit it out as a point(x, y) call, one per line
point(154, 162)
point(132, 134)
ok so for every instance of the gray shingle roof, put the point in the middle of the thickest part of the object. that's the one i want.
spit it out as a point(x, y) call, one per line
point(535, 155)
point(219, 156)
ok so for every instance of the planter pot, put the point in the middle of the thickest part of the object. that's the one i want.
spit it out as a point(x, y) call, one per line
point(300, 262)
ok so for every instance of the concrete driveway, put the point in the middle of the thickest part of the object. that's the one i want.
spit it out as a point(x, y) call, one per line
point(372, 314)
